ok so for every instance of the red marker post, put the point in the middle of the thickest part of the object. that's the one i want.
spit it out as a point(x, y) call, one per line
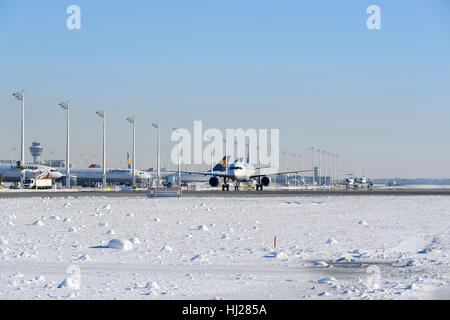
point(275, 242)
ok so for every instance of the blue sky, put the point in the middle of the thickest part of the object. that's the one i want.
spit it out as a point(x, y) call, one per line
point(379, 98)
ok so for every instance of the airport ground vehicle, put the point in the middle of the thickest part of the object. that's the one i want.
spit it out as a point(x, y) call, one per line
point(37, 183)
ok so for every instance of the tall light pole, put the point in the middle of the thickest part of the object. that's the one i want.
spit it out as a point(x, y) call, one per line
point(332, 169)
point(313, 166)
point(335, 168)
point(133, 155)
point(338, 169)
point(21, 97)
point(158, 160)
point(51, 156)
point(329, 167)
point(65, 106)
point(324, 166)
point(303, 169)
point(179, 170)
point(12, 156)
point(211, 153)
point(318, 168)
point(285, 168)
point(102, 115)
point(295, 168)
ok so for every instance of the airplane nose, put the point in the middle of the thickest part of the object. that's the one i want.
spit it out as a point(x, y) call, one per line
point(56, 175)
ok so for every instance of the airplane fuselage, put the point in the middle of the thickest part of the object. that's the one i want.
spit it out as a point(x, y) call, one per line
point(120, 176)
point(241, 171)
point(10, 173)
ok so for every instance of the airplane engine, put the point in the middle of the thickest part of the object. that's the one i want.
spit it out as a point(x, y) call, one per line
point(265, 181)
point(214, 182)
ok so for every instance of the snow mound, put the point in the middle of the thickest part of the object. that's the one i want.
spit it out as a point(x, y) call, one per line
point(103, 224)
point(277, 254)
point(412, 286)
point(38, 223)
point(70, 283)
point(4, 250)
point(152, 285)
point(328, 280)
point(331, 241)
point(426, 250)
point(107, 207)
point(121, 244)
point(200, 258)
point(321, 264)
point(203, 227)
point(166, 249)
point(411, 263)
point(225, 236)
point(344, 259)
point(84, 258)
point(72, 229)
point(362, 222)
point(135, 240)
point(54, 217)
point(67, 205)
point(157, 219)
point(110, 232)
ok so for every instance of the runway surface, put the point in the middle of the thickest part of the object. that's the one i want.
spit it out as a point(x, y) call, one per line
point(218, 193)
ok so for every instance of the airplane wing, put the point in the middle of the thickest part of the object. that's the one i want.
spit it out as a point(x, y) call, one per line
point(278, 173)
point(206, 173)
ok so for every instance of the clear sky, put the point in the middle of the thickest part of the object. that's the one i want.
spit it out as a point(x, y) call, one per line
point(379, 98)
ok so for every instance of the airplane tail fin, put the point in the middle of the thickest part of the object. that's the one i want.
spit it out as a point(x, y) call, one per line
point(222, 165)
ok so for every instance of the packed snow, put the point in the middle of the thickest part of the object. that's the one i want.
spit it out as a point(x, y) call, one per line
point(372, 247)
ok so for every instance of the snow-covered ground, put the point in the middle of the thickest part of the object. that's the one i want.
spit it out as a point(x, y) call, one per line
point(223, 248)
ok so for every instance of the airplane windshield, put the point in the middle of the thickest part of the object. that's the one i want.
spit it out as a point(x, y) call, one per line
point(237, 168)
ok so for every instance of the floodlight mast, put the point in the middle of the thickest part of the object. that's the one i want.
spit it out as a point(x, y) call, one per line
point(295, 167)
point(12, 155)
point(324, 153)
point(133, 163)
point(314, 170)
point(20, 96)
point(303, 169)
point(102, 115)
point(179, 163)
point(65, 106)
point(158, 160)
point(319, 168)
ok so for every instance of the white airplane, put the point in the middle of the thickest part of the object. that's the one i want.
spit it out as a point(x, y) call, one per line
point(241, 171)
point(186, 178)
point(12, 173)
point(91, 176)
point(358, 183)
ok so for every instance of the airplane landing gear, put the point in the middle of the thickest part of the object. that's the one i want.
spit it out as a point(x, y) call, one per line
point(259, 185)
point(225, 185)
point(236, 186)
